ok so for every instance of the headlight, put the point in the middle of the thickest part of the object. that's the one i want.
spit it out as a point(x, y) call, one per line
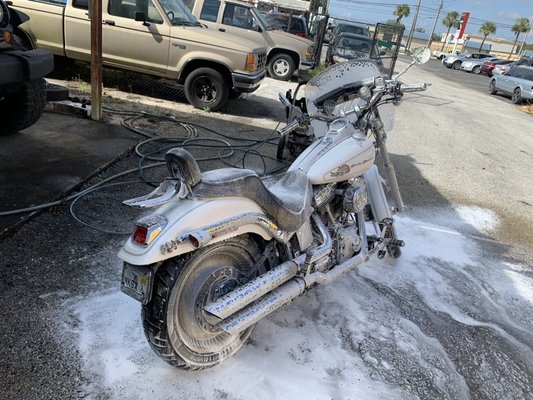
point(339, 59)
point(4, 15)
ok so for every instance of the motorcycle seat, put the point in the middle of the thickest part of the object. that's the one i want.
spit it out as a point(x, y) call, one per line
point(286, 198)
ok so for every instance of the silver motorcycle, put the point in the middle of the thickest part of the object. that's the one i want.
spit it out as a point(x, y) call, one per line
point(225, 248)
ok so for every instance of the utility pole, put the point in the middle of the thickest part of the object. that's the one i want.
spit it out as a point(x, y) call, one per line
point(96, 59)
point(435, 24)
point(413, 27)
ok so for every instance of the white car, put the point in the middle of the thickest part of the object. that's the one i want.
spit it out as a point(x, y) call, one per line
point(455, 61)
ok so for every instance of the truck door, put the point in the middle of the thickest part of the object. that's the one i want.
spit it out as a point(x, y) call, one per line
point(140, 45)
point(239, 20)
point(126, 43)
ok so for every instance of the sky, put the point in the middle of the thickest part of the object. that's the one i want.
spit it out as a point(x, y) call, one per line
point(502, 13)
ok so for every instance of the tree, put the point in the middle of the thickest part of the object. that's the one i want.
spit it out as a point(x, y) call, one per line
point(521, 25)
point(486, 29)
point(402, 10)
point(451, 20)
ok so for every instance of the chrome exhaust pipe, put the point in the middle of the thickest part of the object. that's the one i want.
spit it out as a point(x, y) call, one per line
point(284, 294)
point(254, 289)
point(263, 307)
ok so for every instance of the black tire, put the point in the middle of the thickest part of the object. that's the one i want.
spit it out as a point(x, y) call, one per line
point(281, 67)
point(56, 92)
point(206, 88)
point(516, 97)
point(492, 87)
point(21, 109)
point(177, 328)
point(476, 70)
point(456, 65)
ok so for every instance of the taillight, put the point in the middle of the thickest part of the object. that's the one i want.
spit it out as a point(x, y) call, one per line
point(301, 34)
point(147, 229)
point(139, 234)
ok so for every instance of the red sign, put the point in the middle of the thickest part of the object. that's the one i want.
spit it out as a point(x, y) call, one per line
point(464, 20)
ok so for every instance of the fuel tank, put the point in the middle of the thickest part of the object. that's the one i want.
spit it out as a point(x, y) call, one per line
point(343, 153)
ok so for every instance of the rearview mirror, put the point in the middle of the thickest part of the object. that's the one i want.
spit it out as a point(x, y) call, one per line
point(421, 55)
point(141, 17)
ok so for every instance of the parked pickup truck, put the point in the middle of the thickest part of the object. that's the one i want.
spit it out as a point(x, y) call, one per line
point(155, 37)
point(22, 87)
point(285, 52)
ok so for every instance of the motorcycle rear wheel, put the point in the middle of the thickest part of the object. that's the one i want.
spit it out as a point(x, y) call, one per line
point(175, 325)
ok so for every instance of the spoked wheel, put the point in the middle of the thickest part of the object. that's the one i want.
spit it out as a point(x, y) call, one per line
point(176, 326)
point(456, 65)
point(477, 70)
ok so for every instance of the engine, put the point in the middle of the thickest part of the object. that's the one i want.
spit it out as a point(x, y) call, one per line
point(340, 206)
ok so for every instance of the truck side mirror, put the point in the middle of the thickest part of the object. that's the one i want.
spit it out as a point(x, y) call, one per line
point(141, 17)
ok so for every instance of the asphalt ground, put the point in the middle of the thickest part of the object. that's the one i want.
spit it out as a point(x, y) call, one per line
point(51, 261)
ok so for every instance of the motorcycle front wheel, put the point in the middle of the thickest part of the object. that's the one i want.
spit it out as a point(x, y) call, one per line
point(175, 324)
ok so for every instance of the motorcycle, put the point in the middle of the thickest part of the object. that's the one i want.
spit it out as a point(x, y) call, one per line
point(225, 248)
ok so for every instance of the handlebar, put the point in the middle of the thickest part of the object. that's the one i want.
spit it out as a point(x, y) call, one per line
point(417, 87)
point(290, 126)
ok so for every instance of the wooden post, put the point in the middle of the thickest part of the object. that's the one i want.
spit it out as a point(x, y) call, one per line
point(96, 59)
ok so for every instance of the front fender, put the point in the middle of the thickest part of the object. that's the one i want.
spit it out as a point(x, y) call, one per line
point(208, 221)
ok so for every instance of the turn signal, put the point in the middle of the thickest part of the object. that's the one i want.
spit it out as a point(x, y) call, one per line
point(251, 62)
point(7, 37)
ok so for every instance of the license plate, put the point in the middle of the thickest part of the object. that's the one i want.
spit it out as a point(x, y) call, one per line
point(137, 282)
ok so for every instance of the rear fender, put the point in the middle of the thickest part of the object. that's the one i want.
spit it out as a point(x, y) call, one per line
point(192, 224)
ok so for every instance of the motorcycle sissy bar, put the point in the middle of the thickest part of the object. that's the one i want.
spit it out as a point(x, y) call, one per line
point(166, 192)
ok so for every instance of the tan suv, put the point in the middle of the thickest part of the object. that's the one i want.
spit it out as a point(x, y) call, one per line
point(285, 52)
point(156, 37)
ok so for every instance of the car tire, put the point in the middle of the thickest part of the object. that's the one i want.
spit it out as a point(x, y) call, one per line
point(516, 97)
point(21, 109)
point(476, 70)
point(456, 65)
point(206, 88)
point(281, 67)
point(492, 87)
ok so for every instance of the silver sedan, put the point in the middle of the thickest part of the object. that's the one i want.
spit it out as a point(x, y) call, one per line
point(475, 65)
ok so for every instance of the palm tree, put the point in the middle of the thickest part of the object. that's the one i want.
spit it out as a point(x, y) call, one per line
point(521, 25)
point(451, 20)
point(486, 29)
point(402, 10)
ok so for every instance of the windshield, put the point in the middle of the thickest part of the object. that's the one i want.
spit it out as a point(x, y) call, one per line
point(353, 44)
point(178, 14)
point(262, 20)
point(337, 76)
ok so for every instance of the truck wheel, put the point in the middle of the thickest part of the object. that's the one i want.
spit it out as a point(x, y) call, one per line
point(21, 109)
point(281, 67)
point(206, 88)
point(177, 328)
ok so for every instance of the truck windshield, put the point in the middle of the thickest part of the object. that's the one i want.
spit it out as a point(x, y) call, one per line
point(178, 14)
point(262, 20)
